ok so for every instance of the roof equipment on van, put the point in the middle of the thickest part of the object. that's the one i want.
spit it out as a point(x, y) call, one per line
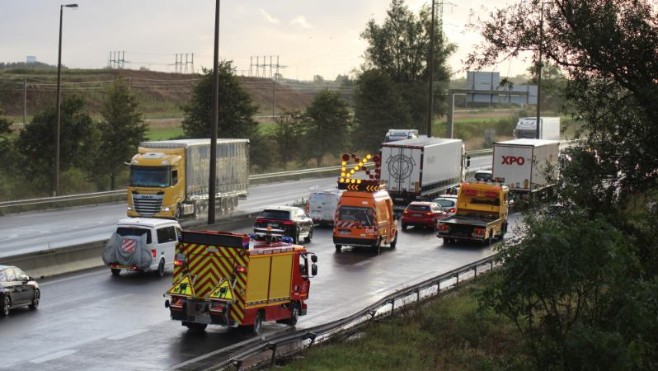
point(347, 179)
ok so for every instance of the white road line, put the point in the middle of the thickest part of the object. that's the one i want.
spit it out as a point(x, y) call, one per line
point(53, 356)
point(127, 334)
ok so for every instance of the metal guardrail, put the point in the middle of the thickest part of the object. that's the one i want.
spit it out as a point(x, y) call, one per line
point(259, 351)
point(101, 196)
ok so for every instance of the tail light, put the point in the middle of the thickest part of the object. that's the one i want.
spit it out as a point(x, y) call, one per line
point(453, 210)
point(240, 269)
point(260, 220)
point(479, 232)
point(154, 253)
point(405, 211)
point(180, 259)
point(443, 227)
point(288, 222)
point(308, 206)
point(429, 213)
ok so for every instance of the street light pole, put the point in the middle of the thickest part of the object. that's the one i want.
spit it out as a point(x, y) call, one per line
point(539, 68)
point(214, 121)
point(59, 89)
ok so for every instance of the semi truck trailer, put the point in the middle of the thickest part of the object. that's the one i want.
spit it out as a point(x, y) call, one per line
point(170, 178)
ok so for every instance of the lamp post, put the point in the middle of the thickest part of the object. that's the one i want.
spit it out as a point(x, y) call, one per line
point(539, 68)
point(59, 78)
point(214, 120)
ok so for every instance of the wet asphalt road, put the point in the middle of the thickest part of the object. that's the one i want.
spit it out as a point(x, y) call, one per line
point(93, 321)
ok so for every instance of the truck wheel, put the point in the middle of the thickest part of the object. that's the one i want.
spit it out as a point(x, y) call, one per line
point(338, 248)
point(258, 324)
point(179, 212)
point(446, 241)
point(404, 227)
point(160, 271)
point(195, 327)
point(504, 230)
point(295, 238)
point(294, 314)
point(116, 272)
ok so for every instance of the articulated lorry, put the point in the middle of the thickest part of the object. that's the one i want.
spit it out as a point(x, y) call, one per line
point(549, 128)
point(170, 178)
point(421, 169)
point(482, 211)
point(525, 165)
point(232, 280)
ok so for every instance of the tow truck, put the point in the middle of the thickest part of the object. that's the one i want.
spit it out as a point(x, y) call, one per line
point(482, 211)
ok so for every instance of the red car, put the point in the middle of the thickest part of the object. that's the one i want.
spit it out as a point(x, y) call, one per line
point(422, 214)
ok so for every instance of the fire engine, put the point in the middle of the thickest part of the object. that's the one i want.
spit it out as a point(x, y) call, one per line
point(239, 281)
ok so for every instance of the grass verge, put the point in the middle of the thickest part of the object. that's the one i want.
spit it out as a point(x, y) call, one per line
point(446, 333)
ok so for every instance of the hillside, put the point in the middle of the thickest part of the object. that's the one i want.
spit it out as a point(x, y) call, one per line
point(160, 94)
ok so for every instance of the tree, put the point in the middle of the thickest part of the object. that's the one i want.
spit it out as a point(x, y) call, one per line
point(608, 51)
point(400, 50)
point(78, 142)
point(565, 287)
point(328, 125)
point(288, 136)
point(236, 112)
point(121, 131)
point(378, 107)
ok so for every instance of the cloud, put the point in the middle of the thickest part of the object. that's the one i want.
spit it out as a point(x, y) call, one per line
point(300, 21)
point(268, 17)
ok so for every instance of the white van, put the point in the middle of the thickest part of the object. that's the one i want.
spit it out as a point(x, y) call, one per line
point(142, 244)
point(321, 206)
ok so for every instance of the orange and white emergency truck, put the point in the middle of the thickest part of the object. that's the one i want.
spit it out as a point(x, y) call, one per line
point(364, 215)
point(233, 280)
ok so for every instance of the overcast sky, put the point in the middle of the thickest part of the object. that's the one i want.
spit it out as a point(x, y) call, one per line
point(309, 37)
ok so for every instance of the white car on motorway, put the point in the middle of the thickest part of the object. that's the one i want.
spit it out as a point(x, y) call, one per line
point(448, 203)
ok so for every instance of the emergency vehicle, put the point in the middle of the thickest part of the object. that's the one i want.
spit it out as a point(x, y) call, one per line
point(235, 280)
point(364, 216)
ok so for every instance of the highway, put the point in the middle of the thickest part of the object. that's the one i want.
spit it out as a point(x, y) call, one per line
point(93, 321)
point(39, 231)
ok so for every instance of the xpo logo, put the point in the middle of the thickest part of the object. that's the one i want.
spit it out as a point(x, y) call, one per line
point(511, 160)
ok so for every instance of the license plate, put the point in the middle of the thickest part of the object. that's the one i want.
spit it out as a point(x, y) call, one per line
point(417, 215)
point(272, 225)
point(345, 232)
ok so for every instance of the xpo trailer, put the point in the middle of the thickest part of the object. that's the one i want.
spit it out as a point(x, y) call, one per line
point(524, 165)
point(421, 168)
point(170, 178)
point(232, 280)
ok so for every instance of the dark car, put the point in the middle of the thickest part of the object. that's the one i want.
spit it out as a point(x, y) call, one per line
point(291, 221)
point(422, 214)
point(17, 289)
point(483, 175)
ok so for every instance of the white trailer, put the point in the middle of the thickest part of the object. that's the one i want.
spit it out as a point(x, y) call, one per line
point(549, 128)
point(523, 164)
point(421, 168)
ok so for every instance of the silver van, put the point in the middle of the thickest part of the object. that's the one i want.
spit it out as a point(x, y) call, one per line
point(142, 244)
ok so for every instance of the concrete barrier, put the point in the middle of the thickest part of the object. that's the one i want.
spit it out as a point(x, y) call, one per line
point(70, 259)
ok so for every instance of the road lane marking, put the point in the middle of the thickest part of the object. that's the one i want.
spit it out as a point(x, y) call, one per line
point(54, 356)
point(127, 334)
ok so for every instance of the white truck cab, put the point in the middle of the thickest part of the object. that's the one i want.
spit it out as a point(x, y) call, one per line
point(142, 244)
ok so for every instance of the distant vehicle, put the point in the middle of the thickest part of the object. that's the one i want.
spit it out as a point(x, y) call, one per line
point(292, 221)
point(400, 134)
point(483, 175)
point(17, 289)
point(142, 244)
point(549, 128)
point(321, 205)
point(448, 203)
point(422, 214)
point(421, 169)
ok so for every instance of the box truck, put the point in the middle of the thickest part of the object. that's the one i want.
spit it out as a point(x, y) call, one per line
point(170, 178)
point(524, 165)
point(549, 128)
point(421, 169)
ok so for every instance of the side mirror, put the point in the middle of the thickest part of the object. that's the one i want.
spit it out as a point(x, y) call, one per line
point(314, 258)
point(314, 270)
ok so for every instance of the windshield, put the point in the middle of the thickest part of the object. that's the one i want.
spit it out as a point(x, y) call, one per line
point(141, 176)
point(526, 134)
point(361, 214)
point(129, 231)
